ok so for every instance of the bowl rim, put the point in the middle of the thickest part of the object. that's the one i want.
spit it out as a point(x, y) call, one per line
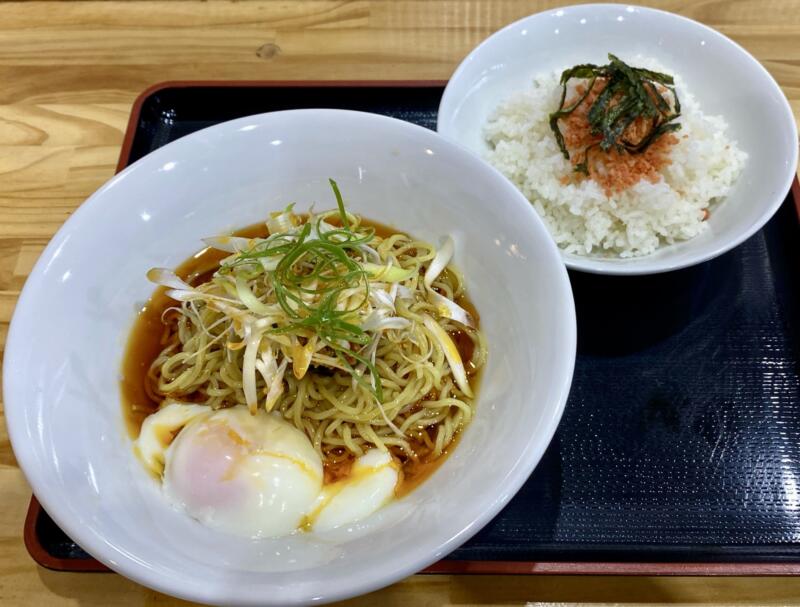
point(131, 566)
point(623, 267)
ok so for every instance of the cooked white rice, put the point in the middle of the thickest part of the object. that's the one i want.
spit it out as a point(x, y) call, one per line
point(581, 217)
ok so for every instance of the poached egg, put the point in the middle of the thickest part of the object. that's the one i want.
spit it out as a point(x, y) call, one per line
point(256, 475)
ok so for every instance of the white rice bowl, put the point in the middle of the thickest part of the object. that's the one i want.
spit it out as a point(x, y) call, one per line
point(582, 219)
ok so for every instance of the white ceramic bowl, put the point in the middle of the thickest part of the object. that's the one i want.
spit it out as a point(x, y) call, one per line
point(724, 78)
point(72, 321)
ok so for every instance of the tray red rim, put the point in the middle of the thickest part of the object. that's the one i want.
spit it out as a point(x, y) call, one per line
point(475, 567)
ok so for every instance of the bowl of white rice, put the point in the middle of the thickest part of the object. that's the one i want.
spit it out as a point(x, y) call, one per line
point(733, 143)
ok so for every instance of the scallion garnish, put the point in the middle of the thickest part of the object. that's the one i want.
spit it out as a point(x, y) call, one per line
point(313, 272)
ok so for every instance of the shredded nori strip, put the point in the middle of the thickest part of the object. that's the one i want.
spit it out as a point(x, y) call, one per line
point(630, 93)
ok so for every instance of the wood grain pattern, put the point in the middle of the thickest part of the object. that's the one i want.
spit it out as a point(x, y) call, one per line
point(69, 73)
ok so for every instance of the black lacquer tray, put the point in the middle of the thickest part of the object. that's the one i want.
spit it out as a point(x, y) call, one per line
point(679, 449)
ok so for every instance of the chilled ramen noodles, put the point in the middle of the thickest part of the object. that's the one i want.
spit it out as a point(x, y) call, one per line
point(301, 374)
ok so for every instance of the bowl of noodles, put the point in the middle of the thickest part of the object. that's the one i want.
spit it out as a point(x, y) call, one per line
point(285, 352)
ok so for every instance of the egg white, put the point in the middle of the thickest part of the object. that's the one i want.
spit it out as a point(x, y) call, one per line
point(256, 475)
point(159, 430)
point(370, 485)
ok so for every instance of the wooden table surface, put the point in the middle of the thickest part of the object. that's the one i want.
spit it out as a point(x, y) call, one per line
point(69, 72)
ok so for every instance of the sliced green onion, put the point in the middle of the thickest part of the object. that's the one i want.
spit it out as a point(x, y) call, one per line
point(250, 300)
point(440, 261)
point(447, 308)
point(450, 353)
point(340, 204)
point(387, 273)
